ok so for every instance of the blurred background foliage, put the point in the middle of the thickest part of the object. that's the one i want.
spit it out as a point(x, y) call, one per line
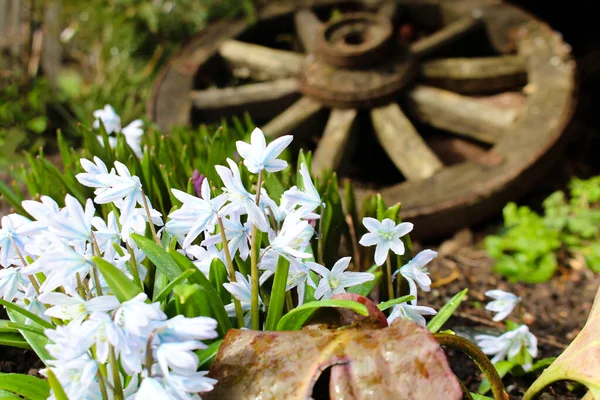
point(95, 52)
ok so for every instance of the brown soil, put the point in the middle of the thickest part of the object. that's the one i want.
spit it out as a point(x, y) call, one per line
point(555, 311)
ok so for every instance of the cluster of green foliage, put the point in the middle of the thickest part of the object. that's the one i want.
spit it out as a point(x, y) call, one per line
point(112, 51)
point(527, 248)
point(23, 116)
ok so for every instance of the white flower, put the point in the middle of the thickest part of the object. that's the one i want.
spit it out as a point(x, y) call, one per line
point(13, 233)
point(178, 357)
point(76, 376)
point(92, 170)
point(133, 136)
point(415, 271)
point(293, 238)
point(152, 388)
point(107, 234)
point(412, 312)
point(308, 199)
point(180, 329)
point(11, 279)
point(110, 119)
point(73, 224)
point(509, 344)
point(240, 200)
point(336, 281)
point(75, 307)
point(258, 156)
point(204, 257)
point(41, 210)
point(105, 333)
point(70, 341)
point(137, 221)
point(503, 305)
point(385, 236)
point(237, 235)
point(242, 291)
point(123, 186)
point(62, 263)
point(196, 214)
point(298, 273)
point(135, 315)
point(190, 383)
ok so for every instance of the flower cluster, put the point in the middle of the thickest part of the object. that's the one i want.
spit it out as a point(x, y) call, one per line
point(112, 124)
point(386, 236)
point(82, 274)
point(518, 344)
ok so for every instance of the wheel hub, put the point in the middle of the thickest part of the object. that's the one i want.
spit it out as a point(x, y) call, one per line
point(356, 63)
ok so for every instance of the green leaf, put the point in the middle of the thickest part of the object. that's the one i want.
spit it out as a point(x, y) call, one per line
point(503, 368)
point(4, 395)
point(121, 286)
point(4, 328)
point(36, 342)
point(28, 328)
point(364, 289)
point(192, 301)
point(159, 256)
point(57, 388)
point(9, 195)
point(207, 356)
point(28, 386)
point(26, 313)
point(14, 339)
point(391, 303)
point(224, 324)
point(277, 294)
point(294, 320)
point(167, 289)
point(446, 312)
point(218, 276)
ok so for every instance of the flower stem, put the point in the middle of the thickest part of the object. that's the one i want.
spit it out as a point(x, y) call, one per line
point(238, 306)
point(133, 263)
point(101, 383)
point(147, 208)
point(320, 242)
point(119, 395)
point(390, 284)
point(353, 239)
point(35, 284)
point(288, 301)
point(254, 252)
point(94, 268)
point(484, 363)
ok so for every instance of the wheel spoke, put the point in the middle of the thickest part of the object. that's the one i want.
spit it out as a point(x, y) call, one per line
point(333, 143)
point(407, 150)
point(292, 117)
point(244, 95)
point(308, 27)
point(459, 114)
point(259, 62)
point(389, 9)
point(476, 75)
point(449, 33)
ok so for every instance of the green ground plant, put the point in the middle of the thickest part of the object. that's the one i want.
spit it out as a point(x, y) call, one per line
point(528, 246)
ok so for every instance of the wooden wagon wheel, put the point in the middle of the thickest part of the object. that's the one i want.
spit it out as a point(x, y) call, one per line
point(402, 74)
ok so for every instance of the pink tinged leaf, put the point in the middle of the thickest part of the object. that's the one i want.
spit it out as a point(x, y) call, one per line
point(403, 361)
point(580, 362)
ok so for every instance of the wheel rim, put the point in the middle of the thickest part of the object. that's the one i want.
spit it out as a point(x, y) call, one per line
point(439, 196)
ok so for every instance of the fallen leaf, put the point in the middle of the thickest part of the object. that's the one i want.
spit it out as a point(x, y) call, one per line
point(402, 361)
